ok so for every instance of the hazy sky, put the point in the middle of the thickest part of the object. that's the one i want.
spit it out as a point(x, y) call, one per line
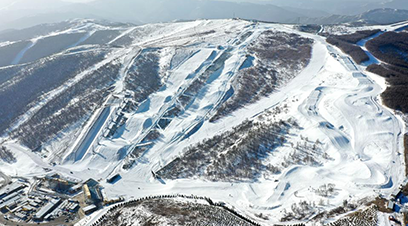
point(4, 3)
point(78, 0)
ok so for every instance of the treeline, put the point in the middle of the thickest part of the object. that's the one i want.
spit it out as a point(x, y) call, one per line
point(209, 215)
point(51, 45)
point(396, 97)
point(347, 43)
point(236, 155)
point(9, 52)
point(24, 85)
point(309, 28)
point(357, 36)
point(280, 57)
point(75, 103)
point(366, 217)
point(239, 154)
point(143, 78)
point(392, 48)
point(358, 54)
point(299, 211)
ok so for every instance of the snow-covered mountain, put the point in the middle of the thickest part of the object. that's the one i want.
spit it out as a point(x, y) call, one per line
point(275, 123)
point(26, 13)
point(371, 17)
point(347, 8)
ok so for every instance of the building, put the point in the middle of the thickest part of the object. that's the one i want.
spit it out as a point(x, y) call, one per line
point(113, 179)
point(87, 193)
point(390, 205)
point(75, 189)
point(395, 194)
point(60, 185)
point(14, 187)
point(21, 216)
point(10, 204)
point(92, 192)
point(57, 212)
point(45, 210)
point(73, 207)
point(90, 209)
point(56, 183)
point(8, 197)
point(27, 208)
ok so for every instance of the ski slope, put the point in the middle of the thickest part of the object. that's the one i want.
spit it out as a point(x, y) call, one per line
point(334, 101)
point(337, 103)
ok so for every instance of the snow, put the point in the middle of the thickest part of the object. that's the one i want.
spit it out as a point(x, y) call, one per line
point(341, 95)
point(20, 55)
point(28, 164)
point(362, 43)
point(2, 44)
point(342, 29)
point(333, 99)
point(82, 26)
point(373, 60)
point(90, 137)
point(383, 219)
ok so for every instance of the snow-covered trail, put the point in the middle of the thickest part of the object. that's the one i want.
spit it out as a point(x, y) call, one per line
point(363, 135)
point(126, 32)
point(89, 28)
point(83, 39)
point(21, 54)
point(356, 112)
point(372, 59)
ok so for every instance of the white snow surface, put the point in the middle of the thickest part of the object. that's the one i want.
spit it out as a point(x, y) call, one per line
point(333, 100)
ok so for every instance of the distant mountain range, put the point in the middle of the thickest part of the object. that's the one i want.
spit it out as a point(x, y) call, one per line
point(346, 7)
point(26, 13)
point(376, 16)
